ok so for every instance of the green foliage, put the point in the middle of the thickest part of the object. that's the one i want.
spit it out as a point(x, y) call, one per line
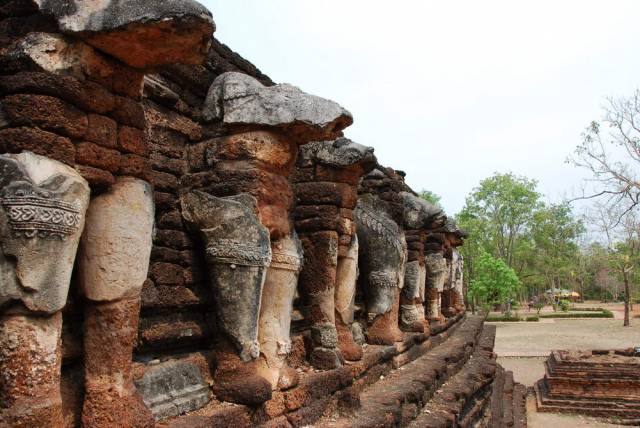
point(431, 197)
point(534, 318)
point(564, 305)
point(506, 218)
point(494, 282)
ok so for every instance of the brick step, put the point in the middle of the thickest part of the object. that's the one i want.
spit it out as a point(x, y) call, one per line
point(598, 408)
point(508, 401)
point(398, 398)
point(463, 400)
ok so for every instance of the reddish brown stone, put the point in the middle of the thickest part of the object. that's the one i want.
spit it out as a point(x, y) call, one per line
point(170, 220)
point(135, 166)
point(110, 394)
point(99, 157)
point(172, 239)
point(47, 112)
point(163, 163)
point(97, 178)
point(16, 140)
point(132, 140)
point(165, 201)
point(86, 95)
point(339, 194)
point(163, 181)
point(102, 131)
point(128, 112)
point(166, 274)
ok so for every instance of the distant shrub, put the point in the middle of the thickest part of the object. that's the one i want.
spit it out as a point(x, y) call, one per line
point(564, 305)
point(573, 308)
point(604, 314)
point(504, 318)
point(534, 318)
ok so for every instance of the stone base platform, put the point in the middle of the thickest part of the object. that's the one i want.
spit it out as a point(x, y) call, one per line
point(329, 398)
point(598, 383)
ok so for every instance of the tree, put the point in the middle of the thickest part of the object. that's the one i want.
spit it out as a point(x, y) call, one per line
point(622, 231)
point(613, 157)
point(431, 197)
point(501, 208)
point(495, 283)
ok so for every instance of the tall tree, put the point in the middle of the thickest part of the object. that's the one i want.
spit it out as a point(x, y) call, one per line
point(495, 283)
point(612, 155)
point(500, 209)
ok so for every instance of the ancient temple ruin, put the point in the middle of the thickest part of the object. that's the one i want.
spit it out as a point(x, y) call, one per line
point(185, 243)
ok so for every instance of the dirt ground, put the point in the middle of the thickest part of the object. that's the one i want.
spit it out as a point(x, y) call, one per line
point(522, 347)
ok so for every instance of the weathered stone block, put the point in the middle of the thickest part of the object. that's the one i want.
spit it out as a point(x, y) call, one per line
point(16, 140)
point(173, 388)
point(91, 154)
point(102, 131)
point(132, 140)
point(47, 112)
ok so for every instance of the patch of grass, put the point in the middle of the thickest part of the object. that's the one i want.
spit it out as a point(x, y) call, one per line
point(602, 314)
point(534, 318)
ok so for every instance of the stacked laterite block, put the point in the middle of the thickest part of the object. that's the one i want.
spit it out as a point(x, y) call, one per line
point(599, 383)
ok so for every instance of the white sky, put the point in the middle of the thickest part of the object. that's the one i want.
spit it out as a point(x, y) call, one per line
point(451, 91)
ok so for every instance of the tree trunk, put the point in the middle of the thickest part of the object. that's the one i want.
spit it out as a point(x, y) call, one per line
point(627, 297)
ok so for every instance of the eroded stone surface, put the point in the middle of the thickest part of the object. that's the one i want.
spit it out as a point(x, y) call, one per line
point(238, 99)
point(140, 33)
point(42, 215)
point(276, 308)
point(173, 388)
point(116, 244)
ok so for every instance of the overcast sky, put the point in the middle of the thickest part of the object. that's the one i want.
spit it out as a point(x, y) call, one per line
point(451, 91)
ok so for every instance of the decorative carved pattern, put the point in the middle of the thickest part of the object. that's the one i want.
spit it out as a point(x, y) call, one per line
point(286, 260)
point(383, 279)
point(381, 226)
point(228, 251)
point(41, 215)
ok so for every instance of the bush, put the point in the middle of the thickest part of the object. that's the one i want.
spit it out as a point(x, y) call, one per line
point(503, 318)
point(534, 318)
point(564, 305)
point(604, 314)
point(573, 308)
point(538, 306)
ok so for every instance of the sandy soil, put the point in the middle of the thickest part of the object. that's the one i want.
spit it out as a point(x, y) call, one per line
point(530, 339)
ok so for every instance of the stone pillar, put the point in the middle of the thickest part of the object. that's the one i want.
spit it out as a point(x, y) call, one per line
point(419, 217)
point(264, 127)
point(112, 266)
point(326, 181)
point(275, 312)
point(345, 299)
point(42, 215)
